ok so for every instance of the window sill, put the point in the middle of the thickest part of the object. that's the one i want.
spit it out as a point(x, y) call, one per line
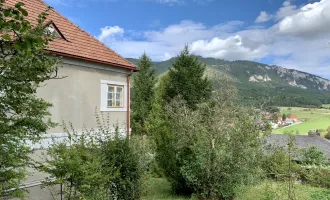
point(106, 109)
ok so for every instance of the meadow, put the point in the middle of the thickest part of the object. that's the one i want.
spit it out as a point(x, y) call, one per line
point(160, 189)
point(311, 119)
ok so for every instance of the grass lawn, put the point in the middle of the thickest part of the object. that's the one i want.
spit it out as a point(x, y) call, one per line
point(314, 119)
point(160, 189)
point(278, 191)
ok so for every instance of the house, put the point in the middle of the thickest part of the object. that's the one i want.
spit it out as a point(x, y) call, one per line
point(301, 142)
point(289, 121)
point(274, 125)
point(97, 79)
point(294, 118)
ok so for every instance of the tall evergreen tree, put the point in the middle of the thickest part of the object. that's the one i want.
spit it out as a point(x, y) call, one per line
point(187, 80)
point(142, 94)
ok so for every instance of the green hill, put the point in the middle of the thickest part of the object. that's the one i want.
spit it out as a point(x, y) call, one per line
point(257, 82)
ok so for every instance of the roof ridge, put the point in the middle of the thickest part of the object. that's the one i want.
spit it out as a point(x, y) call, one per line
point(85, 32)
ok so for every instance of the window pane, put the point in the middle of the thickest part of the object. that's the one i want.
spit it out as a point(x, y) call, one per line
point(118, 103)
point(110, 96)
point(111, 89)
point(119, 89)
point(110, 103)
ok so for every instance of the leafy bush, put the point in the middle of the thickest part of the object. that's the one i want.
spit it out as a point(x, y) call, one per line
point(312, 156)
point(96, 165)
point(321, 195)
point(316, 176)
point(327, 136)
point(278, 164)
point(212, 150)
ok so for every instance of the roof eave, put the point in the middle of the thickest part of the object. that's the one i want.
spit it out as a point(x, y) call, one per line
point(93, 60)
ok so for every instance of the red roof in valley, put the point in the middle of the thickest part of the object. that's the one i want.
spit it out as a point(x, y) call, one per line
point(77, 44)
point(294, 117)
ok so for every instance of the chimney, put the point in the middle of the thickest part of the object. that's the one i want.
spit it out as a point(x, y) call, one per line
point(310, 133)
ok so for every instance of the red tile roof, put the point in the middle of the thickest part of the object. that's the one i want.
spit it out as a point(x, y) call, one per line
point(78, 43)
point(293, 117)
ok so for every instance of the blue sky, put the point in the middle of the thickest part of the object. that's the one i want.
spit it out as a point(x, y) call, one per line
point(290, 33)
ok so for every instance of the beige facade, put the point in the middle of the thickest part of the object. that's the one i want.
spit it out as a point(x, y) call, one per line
point(76, 99)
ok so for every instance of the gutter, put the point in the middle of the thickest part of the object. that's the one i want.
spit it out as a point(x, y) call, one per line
point(91, 60)
point(128, 113)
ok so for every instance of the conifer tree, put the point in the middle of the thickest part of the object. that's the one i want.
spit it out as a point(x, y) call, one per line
point(142, 94)
point(187, 80)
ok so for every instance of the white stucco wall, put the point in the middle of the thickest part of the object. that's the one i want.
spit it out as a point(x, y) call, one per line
point(76, 99)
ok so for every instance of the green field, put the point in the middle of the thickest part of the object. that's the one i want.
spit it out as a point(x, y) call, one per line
point(160, 189)
point(312, 119)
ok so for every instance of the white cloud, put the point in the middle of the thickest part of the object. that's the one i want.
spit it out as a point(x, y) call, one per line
point(287, 10)
point(110, 31)
point(284, 43)
point(263, 17)
point(231, 48)
point(166, 43)
point(311, 20)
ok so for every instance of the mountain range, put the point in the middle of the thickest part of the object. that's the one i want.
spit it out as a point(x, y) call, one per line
point(257, 82)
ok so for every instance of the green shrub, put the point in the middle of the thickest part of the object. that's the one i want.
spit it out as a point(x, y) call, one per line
point(315, 176)
point(208, 157)
point(327, 136)
point(96, 165)
point(312, 156)
point(321, 195)
point(276, 164)
point(121, 165)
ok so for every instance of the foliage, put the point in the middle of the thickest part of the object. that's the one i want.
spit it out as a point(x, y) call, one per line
point(321, 195)
point(202, 153)
point(327, 135)
point(272, 190)
point(159, 126)
point(284, 117)
point(77, 167)
point(187, 80)
point(96, 164)
point(272, 109)
point(276, 163)
point(142, 93)
point(23, 67)
point(316, 176)
point(312, 156)
point(160, 189)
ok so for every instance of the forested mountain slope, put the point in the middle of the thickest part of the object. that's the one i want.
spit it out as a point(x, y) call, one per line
point(259, 82)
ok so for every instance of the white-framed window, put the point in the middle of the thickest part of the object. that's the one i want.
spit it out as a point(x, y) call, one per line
point(113, 96)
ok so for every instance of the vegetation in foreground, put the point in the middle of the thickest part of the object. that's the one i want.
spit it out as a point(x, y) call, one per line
point(160, 189)
point(201, 140)
point(24, 66)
